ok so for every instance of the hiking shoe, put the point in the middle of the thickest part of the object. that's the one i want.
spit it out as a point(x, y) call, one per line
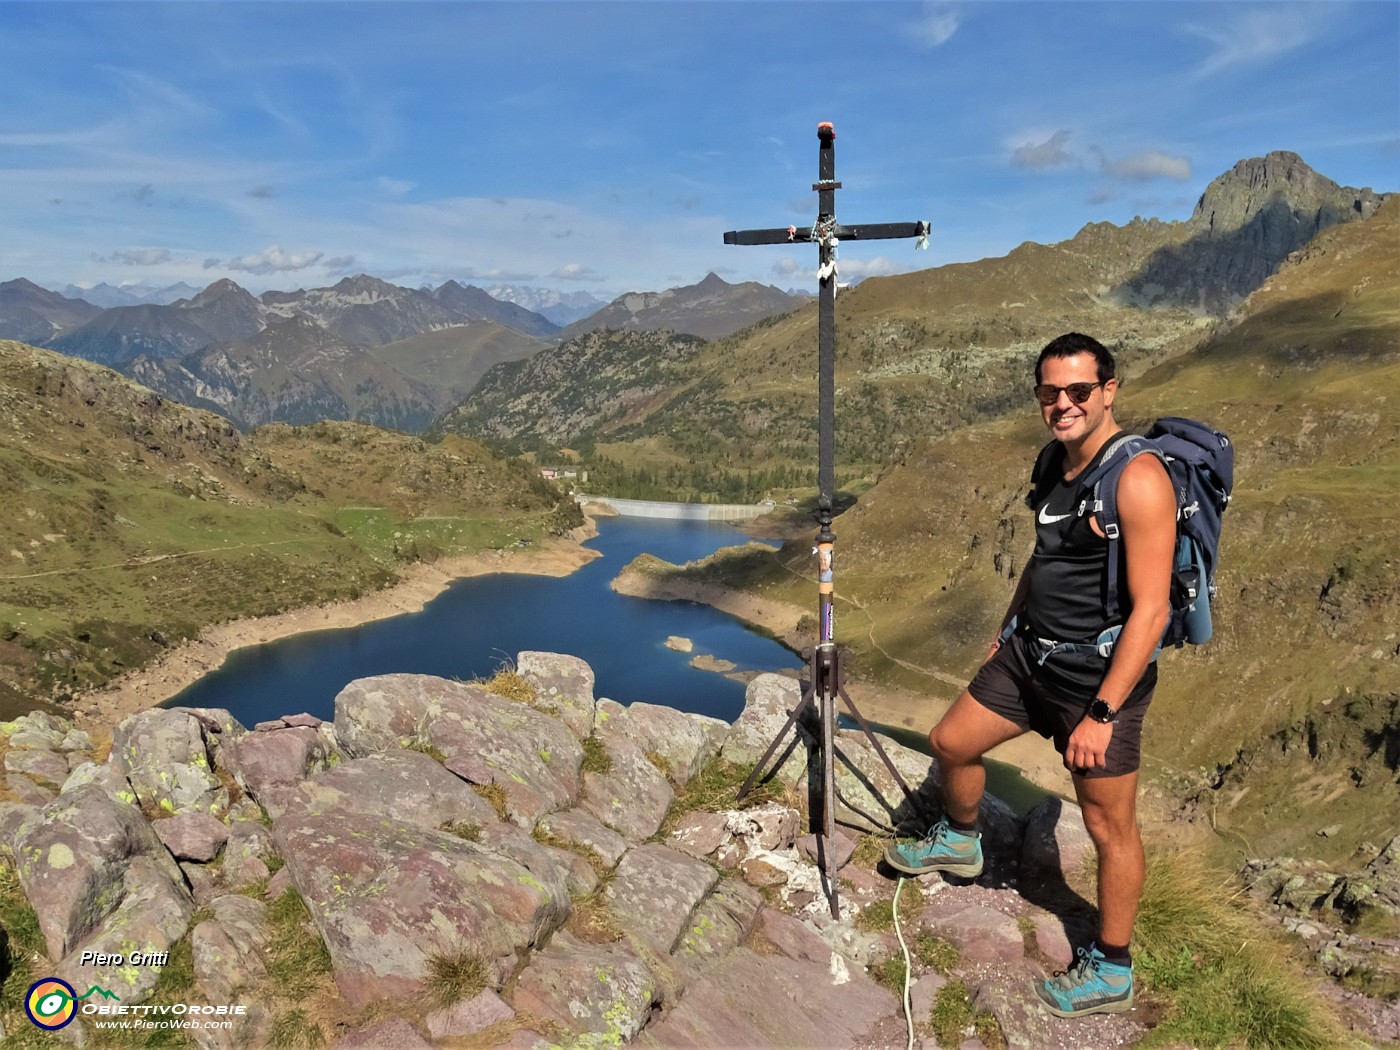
point(1093, 985)
point(944, 848)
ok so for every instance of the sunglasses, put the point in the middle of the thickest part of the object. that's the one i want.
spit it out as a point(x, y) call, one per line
point(1078, 392)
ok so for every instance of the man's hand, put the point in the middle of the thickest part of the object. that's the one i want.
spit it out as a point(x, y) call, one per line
point(1088, 745)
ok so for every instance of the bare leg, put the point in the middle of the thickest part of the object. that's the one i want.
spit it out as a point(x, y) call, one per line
point(962, 736)
point(1110, 815)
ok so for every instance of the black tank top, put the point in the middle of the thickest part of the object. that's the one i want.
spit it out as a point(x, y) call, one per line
point(1069, 569)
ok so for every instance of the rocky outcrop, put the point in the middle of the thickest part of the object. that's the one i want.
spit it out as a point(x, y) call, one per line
point(527, 873)
point(1350, 922)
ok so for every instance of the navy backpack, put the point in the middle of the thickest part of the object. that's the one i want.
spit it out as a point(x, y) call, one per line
point(1201, 462)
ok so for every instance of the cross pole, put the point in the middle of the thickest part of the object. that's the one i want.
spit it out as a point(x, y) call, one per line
point(826, 675)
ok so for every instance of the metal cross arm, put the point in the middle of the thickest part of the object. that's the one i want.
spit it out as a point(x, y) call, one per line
point(878, 231)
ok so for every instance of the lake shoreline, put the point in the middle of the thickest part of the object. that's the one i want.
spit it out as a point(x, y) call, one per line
point(418, 584)
point(881, 705)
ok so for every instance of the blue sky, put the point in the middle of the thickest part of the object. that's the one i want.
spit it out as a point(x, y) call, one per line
point(606, 147)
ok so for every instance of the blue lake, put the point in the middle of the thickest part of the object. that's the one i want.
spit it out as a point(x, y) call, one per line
point(480, 623)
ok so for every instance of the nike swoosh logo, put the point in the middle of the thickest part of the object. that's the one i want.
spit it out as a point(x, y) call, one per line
point(1047, 519)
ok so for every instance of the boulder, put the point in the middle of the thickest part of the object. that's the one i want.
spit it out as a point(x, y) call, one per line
point(73, 857)
point(1055, 839)
point(271, 765)
point(13, 817)
point(43, 765)
point(655, 890)
point(28, 792)
point(763, 1000)
point(633, 796)
point(701, 833)
point(405, 786)
point(386, 896)
point(685, 741)
point(162, 753)
point(721, 923)
point(228, 949)
point(469, 1016)
point(532, 756)
point(106, 776)
point(603, 994)
point(563, 687)
point(983, 935)
point(392, 1034)
point(768, 700)
point(153, 913)
point(585, 831)
point(38, 729)
point(246, 854)
point(390, 711)
point(192, 836)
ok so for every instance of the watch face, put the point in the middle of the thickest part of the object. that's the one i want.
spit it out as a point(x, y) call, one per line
point(1099, 711)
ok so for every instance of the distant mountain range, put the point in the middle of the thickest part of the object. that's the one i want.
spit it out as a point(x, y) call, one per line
point(107, 295)
point(560, 307)
point(368, 350)
point(237, 354)
point(712, 309)
point(920, 353)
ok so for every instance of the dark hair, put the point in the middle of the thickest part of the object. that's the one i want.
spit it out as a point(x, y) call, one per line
point(1073, 343)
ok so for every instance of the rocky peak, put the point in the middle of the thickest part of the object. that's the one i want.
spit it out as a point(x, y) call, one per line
point(366, 287)
point(1282, 182)
point(222, 291)
point(1247, 222)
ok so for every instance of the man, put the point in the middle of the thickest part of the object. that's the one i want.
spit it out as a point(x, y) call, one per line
point(1048, 675)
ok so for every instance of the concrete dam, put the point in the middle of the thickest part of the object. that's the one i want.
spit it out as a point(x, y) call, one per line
point(646, 508)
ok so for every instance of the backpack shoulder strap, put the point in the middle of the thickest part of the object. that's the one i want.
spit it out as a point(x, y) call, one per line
point(1103, 502)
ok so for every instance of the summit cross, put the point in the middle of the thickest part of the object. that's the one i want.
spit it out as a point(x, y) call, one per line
point(826, 675)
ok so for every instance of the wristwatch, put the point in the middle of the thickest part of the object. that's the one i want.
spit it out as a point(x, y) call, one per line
point(1100, 711)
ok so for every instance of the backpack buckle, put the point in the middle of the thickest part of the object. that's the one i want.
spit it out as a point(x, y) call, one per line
point(1111, 530)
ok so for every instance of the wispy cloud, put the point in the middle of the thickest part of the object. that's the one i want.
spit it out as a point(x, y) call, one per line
point(936, 25)
point(1146, 165)
point(1257, 35)
point(272, 259)
point(576, 272)
point(1050, 153)
point(137, 257)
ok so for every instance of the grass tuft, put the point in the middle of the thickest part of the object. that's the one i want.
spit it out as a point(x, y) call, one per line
point(510, 684)
point(297, 958)
point(425, 748)
point(595, 757)
point(1227, 982)
point(462, 829)
point(716, 788)
point(591, 921)
point(952, 1015)
point(454, 977)
point(496, 795)
point(295, 1030)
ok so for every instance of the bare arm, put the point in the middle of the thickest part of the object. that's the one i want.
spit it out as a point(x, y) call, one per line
point(1147, 520)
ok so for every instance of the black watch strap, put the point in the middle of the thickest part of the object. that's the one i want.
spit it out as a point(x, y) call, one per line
point(1101, 711)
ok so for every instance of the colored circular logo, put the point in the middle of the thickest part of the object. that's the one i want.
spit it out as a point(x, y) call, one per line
point(51, 1003)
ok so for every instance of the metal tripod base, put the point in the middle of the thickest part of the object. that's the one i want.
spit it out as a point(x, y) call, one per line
point(826, 682)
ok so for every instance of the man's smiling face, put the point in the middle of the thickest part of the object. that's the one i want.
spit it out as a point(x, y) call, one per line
point(1067, 421)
